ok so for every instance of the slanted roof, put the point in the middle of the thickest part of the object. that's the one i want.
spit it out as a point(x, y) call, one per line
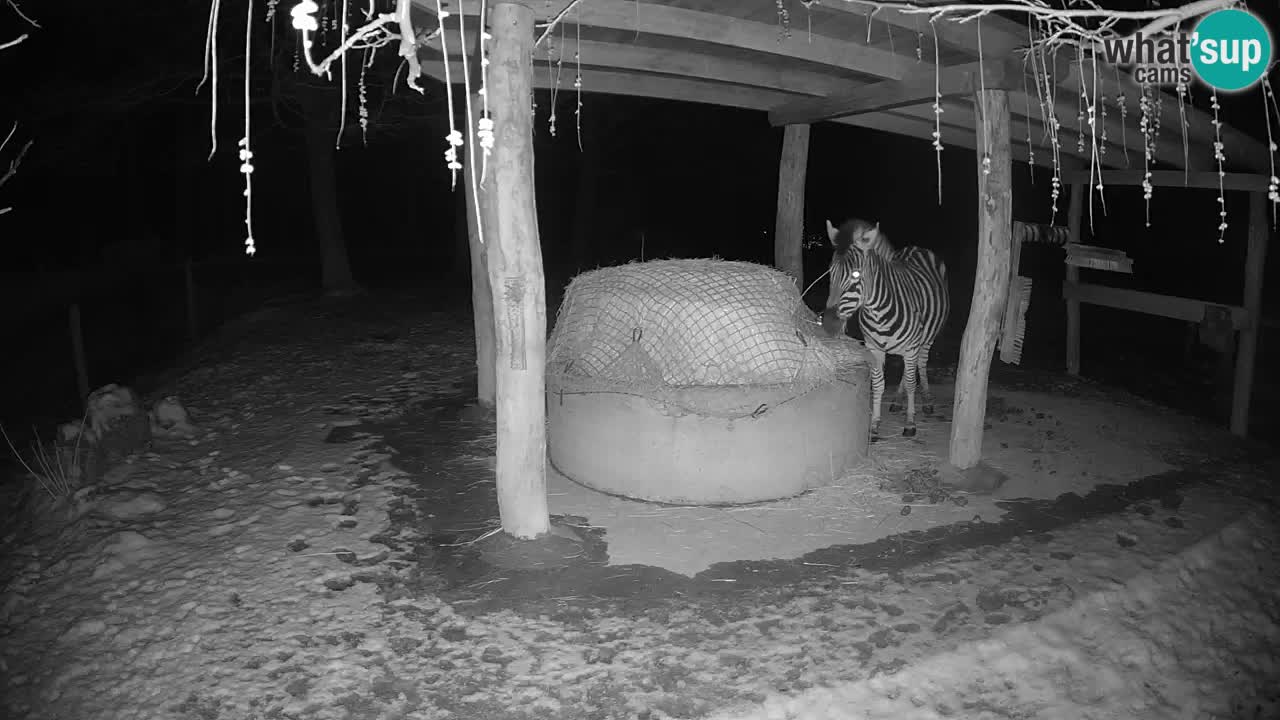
point(736, 53)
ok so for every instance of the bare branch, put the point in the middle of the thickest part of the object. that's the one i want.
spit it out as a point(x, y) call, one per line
point(23, 15)
point(14, 41)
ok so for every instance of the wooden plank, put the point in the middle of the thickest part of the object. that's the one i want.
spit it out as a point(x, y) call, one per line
point(1175, 178)
point(921, 85)
point(1000, 36)
point(1246, 357)
point(1170, 306)
point(898, 123)
point(991, 284)
point(961, 116)
point(1241, 149)
point(516, 280)
point(788, 236)
point(595, 55)
point(715, 29)
point(1075, 219)
point(699, 91)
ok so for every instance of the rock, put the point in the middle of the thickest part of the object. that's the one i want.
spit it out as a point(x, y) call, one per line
point(170, 419)
point(981, 478)
point(115, 426)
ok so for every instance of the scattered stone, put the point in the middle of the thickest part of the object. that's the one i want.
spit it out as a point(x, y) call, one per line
point(170, 419)
point(1173, 522)
point(1126, 539)
point(990, 599)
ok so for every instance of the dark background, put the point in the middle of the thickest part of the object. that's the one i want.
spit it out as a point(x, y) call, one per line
point(119, 184)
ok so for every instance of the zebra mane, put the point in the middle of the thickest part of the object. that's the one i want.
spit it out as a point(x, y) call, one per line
point(843, 241)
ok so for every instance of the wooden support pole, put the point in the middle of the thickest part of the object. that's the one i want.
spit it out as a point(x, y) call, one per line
point(1255, 262)
point(77, 353)
point(481, 292)
point(991, 283)
point(788, 234)
point(481, 295)
point(516, 278)
point(478, 214)
point(1075, 215)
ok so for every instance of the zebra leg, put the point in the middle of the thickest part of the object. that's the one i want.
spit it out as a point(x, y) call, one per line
point(922, 362)
point(877, 391)
point(909, 380)
point(900, 399)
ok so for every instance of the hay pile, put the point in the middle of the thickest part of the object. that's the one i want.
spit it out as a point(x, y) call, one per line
point(670, 324)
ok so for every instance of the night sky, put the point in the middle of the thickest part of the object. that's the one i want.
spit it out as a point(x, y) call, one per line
point(119, 174)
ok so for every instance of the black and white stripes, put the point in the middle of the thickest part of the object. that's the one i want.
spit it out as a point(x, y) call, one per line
point(901, 299)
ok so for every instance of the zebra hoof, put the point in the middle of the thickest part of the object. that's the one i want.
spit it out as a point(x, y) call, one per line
point(909, 431)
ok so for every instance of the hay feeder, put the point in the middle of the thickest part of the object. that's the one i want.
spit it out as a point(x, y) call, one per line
point(701, 382)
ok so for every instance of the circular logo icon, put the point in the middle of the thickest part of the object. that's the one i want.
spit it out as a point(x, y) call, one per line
point(1231, 49)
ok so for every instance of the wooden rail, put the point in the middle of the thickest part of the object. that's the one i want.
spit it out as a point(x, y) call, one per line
point(1246, 319)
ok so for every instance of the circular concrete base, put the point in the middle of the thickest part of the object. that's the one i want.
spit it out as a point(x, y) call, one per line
point(646, 449)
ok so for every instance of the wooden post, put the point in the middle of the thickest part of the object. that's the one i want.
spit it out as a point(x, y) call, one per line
point(481, 293)
point(473, 221)
point(516, 278)
point(1255, 262)
point(1075, 215)
point(991, 283)
point(788, 235)
point(77, 353)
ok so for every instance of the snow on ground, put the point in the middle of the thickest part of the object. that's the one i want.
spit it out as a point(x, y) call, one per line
point(251, 573)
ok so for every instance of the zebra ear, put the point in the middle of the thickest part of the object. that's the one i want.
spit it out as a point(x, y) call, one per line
point(872, 235)
point(832, 231)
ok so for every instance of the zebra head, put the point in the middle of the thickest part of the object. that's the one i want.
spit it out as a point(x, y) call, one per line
point(849, 242)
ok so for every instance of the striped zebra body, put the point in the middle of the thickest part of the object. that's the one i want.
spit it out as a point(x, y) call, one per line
point(901, 300)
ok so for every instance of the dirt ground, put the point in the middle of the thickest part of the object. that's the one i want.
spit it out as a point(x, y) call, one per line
point(324, 548)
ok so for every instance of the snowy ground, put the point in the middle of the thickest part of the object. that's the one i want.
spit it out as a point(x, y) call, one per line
point(288, 563)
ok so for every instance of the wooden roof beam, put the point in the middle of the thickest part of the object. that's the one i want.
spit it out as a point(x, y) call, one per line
point(670, 21)
point(1000, 36)
point(715, 93)
point(594, 55)
point(959, 122)
point(921, 85)
point(1174, 178)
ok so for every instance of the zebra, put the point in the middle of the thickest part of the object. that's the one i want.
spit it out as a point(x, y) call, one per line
point(901, 299)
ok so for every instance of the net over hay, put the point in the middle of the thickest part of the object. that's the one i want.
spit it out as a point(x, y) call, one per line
point(683, 323)
point(700, 381)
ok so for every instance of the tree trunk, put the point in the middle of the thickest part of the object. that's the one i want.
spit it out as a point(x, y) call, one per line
point(991, 283)
point(335, 268)
point(788, 236)
point(516, 278)
point(475, 245)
